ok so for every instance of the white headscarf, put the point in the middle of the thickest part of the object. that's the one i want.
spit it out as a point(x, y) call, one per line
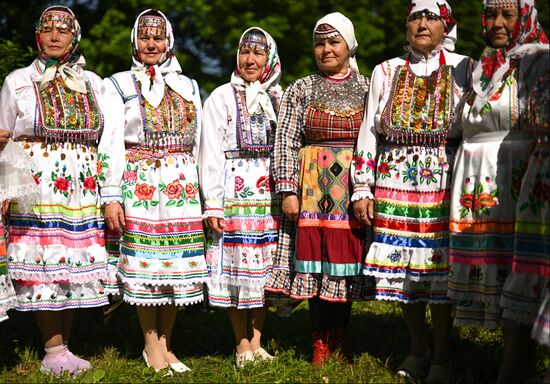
point(68, 65)
point(343, 25)
point(442, 9)
point(256, 92)
point(167, 71)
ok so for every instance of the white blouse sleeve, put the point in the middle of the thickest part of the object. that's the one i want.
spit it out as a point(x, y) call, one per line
point(111, 150)
point(212, 156)
point(8, 106)
point(363, 168)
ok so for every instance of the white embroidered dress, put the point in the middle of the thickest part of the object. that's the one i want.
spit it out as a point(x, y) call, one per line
point(149, 165)
point(56, 254)
point(409, 175)
point(237, 185)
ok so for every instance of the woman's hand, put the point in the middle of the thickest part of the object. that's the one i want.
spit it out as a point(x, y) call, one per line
point(291, 206)
point(4, 137)
point(364, 211)
point(114, 217)
point(216, 223)
point(5, 208)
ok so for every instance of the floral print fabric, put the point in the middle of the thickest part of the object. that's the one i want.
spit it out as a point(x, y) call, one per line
point(56, 252)
point(241, 258)
point(162, 257)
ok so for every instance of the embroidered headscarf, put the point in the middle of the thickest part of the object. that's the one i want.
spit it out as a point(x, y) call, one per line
point(441, 9)
point(62, 17)
point(527, 36)
point(344, 27)
point(167, 70)
point(256, 92)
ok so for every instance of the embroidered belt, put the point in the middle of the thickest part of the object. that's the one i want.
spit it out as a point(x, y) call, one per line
point(156, 153)
point(246, 154)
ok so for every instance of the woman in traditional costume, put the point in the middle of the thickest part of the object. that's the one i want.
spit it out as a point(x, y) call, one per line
point(538, 121)
point(318, 125)
point(56, 253)
point(491, 163)
point(405, 151)
point(527, 285)
point(153, 120)
point(242, 209)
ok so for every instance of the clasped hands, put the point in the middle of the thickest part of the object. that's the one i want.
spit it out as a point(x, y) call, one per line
point(363, 209)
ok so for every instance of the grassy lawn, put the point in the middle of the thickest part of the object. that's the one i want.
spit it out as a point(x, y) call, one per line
point(204, 342)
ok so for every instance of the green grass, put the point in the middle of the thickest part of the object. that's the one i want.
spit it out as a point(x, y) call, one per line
point(204, 342)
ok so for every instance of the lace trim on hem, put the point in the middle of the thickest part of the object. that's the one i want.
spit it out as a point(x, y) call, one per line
point(168, 282)
point(72, 305)
point(166, 301)
point(403, 277)
point(116, 292)
point(53, 277)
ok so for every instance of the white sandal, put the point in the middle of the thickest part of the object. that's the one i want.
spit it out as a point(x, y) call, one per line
point(262, 354)
point(413, 366)
point(241, 359)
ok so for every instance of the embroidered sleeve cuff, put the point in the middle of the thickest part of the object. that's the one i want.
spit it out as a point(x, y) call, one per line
point(286, 186)
point(213, 212)
point(361, 193)
point(111, 193)
point(213, 208)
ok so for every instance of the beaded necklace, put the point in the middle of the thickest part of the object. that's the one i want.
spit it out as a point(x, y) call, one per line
point(255, 131)
point(172, 125)
point(420, 109)
point(336, 108)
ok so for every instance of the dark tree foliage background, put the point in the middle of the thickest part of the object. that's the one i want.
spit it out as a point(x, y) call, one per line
point(207, 32)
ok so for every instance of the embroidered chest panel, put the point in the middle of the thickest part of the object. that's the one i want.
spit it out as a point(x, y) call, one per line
point(255, 132)
point(67, 115)
point(420, 108)
point(335, 111)
point(172, 125)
